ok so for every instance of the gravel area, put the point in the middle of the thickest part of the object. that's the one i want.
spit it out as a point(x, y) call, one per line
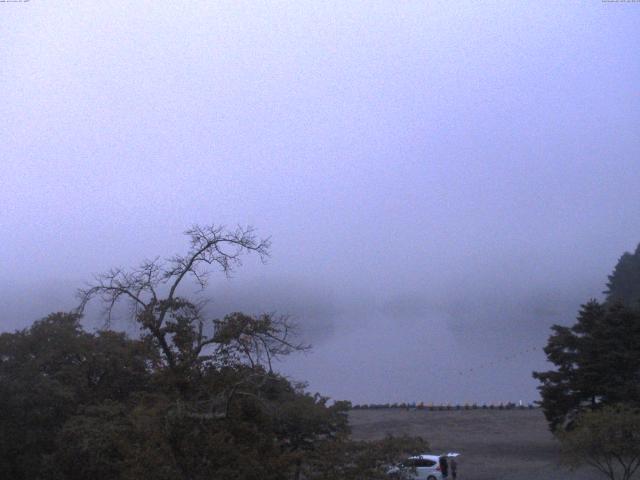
point(495, 444)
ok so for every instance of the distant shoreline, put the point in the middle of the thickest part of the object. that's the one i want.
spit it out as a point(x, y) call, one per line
point(446, 407)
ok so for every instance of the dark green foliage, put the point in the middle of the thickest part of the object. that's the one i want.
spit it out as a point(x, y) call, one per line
point(192, 399)
point(624, 283)
point(92, 444)
point(350, 460)
point(597, 359)
point(597, 363)
point(77, 405)
point(47, 374)
point(607, 439)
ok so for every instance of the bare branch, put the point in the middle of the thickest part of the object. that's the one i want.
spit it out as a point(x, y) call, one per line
point(176, 325)
point(209, 245)
point(214, 245)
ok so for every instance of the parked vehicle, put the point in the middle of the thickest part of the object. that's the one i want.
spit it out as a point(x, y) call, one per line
point(420, 467)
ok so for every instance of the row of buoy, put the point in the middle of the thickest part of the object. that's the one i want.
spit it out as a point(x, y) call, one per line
point(448, 406)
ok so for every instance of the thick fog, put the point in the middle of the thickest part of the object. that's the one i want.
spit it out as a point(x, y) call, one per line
point(441, 181)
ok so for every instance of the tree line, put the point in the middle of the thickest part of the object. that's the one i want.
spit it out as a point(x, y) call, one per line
point(188, 398)
point(591, 399)
point(443, 407)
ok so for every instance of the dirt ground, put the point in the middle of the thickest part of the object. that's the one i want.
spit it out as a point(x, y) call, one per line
point(495, 444)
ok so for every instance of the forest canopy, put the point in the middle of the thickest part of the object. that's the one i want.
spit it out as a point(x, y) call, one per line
point(189, 398)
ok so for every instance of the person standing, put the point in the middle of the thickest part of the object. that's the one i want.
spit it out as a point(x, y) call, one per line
point(444, 467)
point(454, 468)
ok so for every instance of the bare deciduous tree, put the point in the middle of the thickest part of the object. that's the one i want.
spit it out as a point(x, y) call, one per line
point(175, 324)
point(211, 245)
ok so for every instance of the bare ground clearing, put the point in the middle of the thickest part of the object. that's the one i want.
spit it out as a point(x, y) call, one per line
point(495, 444)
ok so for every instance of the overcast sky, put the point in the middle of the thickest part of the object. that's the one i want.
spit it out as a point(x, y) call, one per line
point(442, 181)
